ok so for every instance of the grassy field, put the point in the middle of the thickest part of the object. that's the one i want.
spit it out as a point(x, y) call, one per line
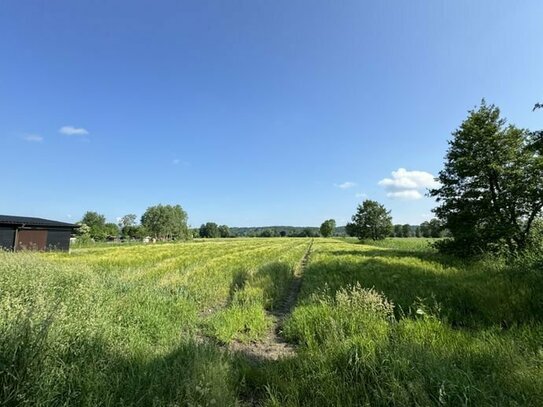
point(393, 324)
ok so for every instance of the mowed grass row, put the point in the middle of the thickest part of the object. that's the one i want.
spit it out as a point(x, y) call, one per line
point(119, 326)
point(379, 326)
point(205, 272)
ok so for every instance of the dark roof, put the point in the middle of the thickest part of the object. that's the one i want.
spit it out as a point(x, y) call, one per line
point(26, 221)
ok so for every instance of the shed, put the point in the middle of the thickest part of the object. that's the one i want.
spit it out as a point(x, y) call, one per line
point(24, 233)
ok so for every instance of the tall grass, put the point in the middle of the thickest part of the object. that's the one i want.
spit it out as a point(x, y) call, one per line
point(460, 335)
point(374, 326)
point(405, 243)
point(118, 326)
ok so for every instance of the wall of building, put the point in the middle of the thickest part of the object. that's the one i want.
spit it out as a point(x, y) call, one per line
point(58, 239)
point(7, 237)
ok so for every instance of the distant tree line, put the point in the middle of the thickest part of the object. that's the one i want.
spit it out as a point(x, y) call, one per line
point(275, 231)
point(160, 222)
point(433, 228)
point(168, 222)
point(212, 230)
point(372, 221)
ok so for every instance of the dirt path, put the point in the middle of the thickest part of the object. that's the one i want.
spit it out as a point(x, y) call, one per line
point(273, 346)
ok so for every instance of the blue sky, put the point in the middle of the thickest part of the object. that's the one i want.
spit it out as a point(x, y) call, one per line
point(250, 112)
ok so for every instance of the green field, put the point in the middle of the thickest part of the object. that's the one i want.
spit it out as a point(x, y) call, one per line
point(177, 324)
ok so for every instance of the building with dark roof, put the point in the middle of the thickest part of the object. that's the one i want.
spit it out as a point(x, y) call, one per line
point(23, 233)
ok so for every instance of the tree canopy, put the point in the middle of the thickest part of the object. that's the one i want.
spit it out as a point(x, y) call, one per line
point(371, 221)
point(432, 228)
point(224, 231)
point(96, 225)
point(127, 220)
point(166, 222)
point(491, 188)
point(327, 228)
point(210, 230)
point(111, 230)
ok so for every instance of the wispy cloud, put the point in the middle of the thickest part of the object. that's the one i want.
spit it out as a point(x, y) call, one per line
point(408, 185)
point(345, 185)
point(73, 131)
point(361, 195)
point(33, 138)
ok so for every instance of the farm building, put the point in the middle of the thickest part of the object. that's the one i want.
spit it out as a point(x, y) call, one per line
point(23, 233)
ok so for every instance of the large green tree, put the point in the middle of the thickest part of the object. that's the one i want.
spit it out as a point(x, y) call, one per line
point(371, 221)
point(166, 222)
point(210, 230)
point(327, 228)
point(96, 223)
point(491, 188)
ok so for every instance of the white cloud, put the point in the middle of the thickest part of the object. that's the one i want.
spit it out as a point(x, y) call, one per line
point(33, 138)
point(345, 185)
point(408, 195)
point(408, 185)
point(73, 131)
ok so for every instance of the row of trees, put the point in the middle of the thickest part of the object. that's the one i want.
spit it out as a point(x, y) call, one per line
point(432, 228)
point(373, 221)
point(212, 230)
point(162, 222)
point(277, 231)
point(167, 222)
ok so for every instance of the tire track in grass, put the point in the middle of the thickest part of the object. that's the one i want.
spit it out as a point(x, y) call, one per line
point(274, 346)
point(259, 255)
